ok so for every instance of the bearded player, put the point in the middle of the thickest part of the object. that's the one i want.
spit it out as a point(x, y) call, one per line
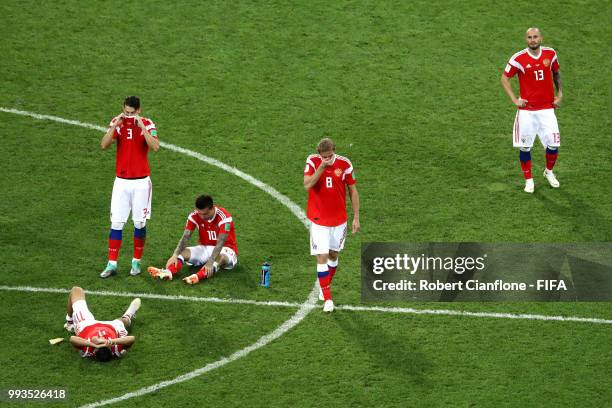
point(326, 178)
point(100, 340)
point(132, 190)
point(216, 248)
point(538, 69)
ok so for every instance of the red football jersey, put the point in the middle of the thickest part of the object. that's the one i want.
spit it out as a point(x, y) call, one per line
point(327, 198)
point(101, 330)
point(209, 230)
point(132, 148)
point(535, 77)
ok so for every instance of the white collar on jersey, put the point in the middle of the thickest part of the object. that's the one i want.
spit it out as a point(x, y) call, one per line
point(534, 56)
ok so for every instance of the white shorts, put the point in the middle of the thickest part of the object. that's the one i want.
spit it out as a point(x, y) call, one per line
point(82, 317)
point(323, 239)
point(201, 253)
point(131, 195)
point(528, 124)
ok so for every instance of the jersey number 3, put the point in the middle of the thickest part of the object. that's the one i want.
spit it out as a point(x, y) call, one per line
point(129, 136)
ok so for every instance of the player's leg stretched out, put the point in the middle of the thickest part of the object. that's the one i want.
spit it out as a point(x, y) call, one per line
point(198, 255)
point(173, 266)
point(130, 312)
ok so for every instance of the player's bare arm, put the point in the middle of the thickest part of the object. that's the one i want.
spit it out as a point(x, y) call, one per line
point(179, 248)
point(215, 254)
point(310, 181)
point(107, 139)
point(151, 141)
point(557, 81)
point(354, 196)
point(77, 341)
point(122, 341)
point(519, 102)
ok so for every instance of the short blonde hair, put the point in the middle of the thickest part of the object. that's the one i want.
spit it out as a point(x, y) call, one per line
point(325, 145)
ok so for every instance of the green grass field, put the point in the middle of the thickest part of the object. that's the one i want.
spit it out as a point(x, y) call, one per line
point(410, 93)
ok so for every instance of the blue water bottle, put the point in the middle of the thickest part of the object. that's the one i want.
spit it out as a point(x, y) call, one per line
point(265, 275)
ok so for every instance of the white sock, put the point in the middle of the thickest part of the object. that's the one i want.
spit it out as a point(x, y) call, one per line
point(69, 319)
point(130, 312)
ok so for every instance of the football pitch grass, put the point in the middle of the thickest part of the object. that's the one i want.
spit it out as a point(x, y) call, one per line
point(410, 93)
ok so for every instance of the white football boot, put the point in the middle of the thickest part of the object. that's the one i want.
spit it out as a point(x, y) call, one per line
point(110, 270)
point(328, 306)
point(69, 326)
point(552, 180)
point(135, 267)
point(529, 186)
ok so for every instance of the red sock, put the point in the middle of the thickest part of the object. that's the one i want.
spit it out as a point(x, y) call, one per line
point(175, 269)
point(202, 273)
point(138, 247)
point(526, 166)
point(114, 244)
point(324, 280)
point(332, 272)
point(551, 159)
point(140, 236)
point(113, 249)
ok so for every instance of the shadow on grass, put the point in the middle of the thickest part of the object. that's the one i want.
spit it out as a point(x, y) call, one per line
point(398, 351)
point(580, 214)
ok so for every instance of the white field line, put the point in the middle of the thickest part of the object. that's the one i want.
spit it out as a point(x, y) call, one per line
point(404, 310)
point(443, 312)
point(294, 320)
point(132, 295)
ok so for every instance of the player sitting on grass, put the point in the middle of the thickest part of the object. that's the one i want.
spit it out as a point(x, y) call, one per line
point(100, 340)
point(217, 243)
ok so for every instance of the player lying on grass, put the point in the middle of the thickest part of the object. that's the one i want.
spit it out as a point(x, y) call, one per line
point(217, 243)
point(101, 340)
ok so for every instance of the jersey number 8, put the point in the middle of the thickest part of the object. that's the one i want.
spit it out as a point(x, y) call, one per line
point(328, 182)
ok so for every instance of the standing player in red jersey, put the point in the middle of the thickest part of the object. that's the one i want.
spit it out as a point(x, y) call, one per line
point(538, 70)
point(132, 190)
point(100, 340)
point(217, 243)
point(326, 177)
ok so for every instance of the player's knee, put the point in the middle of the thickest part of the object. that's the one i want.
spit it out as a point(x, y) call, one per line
point(333, 255)
point(77, 293)
point(140, 224)
point(117, 226)
point(322, 258)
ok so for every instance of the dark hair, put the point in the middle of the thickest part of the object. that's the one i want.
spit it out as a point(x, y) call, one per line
point(104, 354)
point(203, 202)
point(132, 101)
